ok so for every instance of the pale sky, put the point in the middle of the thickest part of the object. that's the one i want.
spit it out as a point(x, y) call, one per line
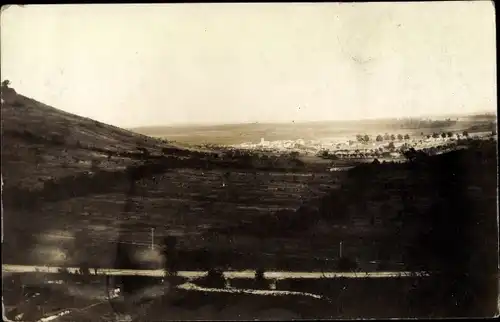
point(136, 65)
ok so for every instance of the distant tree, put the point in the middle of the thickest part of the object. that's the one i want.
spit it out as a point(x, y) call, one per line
point(449, 134)
point(323, 153)
point(387, 137)
point(435, 135)
point(443, 135)
point(421, 133)
point(407, 136)
point(6, 83)
point(359, 138)
point(393, 137)
point(379, 138)
point(294, 154)
point(376, 161)
point(405, 147)
point(400, 137)
point(466, 134)
point(366, 138)
point(428, 136)
point(391, 146)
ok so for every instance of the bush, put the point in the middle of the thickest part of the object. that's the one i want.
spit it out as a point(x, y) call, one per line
point(214, 279)
point(260, 281)
point(58, 139)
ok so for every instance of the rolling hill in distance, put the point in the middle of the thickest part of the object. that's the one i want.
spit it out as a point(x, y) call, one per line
point(252, 132)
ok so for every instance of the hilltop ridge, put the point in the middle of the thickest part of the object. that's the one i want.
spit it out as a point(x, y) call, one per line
point(41, 142)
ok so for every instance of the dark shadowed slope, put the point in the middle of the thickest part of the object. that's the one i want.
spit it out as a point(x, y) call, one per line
point(41, 143)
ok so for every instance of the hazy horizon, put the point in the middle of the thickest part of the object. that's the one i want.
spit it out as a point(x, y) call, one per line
point(210, 64)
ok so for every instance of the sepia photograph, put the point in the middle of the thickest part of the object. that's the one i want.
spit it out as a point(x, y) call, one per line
point(249, 161)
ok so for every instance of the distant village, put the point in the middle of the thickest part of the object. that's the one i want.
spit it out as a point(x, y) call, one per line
point(365, 146)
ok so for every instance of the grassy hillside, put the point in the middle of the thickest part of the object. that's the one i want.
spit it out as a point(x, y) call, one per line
point(40, 143)
point(65, 173)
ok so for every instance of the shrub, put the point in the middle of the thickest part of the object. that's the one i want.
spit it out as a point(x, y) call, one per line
point(214, 279)
point(260, 281)
point(58, 139)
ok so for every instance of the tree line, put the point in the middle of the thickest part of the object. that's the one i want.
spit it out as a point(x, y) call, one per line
point(379, 138)
point(400, 137)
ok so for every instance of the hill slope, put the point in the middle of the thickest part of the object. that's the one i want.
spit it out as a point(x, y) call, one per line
point(40, 143)
point(68, 173)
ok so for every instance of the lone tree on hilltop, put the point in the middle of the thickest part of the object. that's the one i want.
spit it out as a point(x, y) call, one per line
point(6, 83)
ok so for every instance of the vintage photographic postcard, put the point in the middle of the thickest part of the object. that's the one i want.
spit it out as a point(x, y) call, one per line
point(238, 161)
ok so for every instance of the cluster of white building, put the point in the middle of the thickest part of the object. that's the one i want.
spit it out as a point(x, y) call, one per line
point(346, 144)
